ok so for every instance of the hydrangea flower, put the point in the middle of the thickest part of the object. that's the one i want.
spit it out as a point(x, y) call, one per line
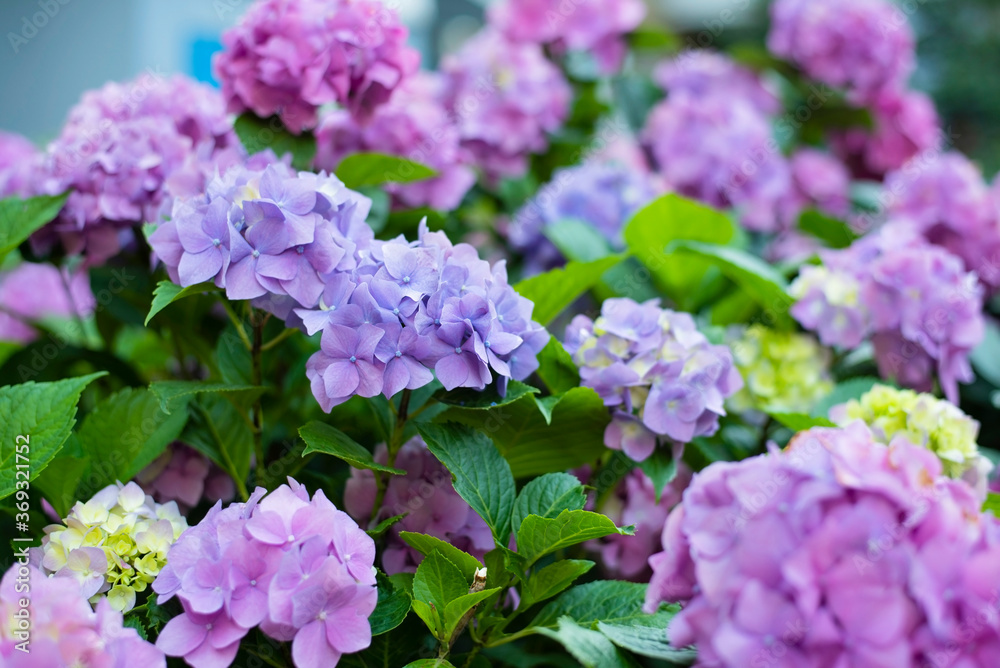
point(413, 124)
point(863, 46)
point(636, 503)
point(19, 163)
point(184, 475)
point(124, 151)
point(916, 301)
point(31, 292)
point(699, 73)
point(114, 545)
point(950, 205)
point(839, 550)
point(819, 181)
point(64, 629)
point(289, 57)
point(923, 420)
point(505, 96)
point(298, 568)
point(719, 149)
point(661, 378)
point(428, 499)
point(604, 195)
point(783, 372)
point(595, 26)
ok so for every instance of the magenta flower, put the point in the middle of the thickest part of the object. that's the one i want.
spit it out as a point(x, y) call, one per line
point(19, 165)
point(184, 475)
point(205, 641)
point(699, 73)
point(30, 292)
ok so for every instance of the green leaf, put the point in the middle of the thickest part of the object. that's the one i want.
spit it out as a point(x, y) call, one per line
point(591, 648)
point(553, 291)
point(454, 611)
point(539, 536)
point(554, 578)
point(664, 221)
point(547, 496)
point(384, 526)
point(257, 134)
point(612, 601)
point(661, 468)
point(166, 293)
point(844, 392)
point(59, 480)
point(800, 421)
point(437, 583)
point(648, 636)
point(392, 607)
point(557, 369)
point(19, 218)
point(577, 241)
point(427, 545)
point(525, 437)
point(834, 233)
point(42, 414)
point(761, 281)
point(482, 475)
point(220, 431)
point(168, 391)
point(992, 504)
point(486, 399)
point(375, 169)
point(321, 437)
point(429, 663)
point(125, 433)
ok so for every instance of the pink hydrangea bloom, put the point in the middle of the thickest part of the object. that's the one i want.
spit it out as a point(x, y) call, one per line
point(289, 57)
point(819, 181)
point(30, 292)
point(837, 551)
point(699, 73)
point(19, 163)
point(64, 629)
point(506, 97)
point(414, 125)
point(432, 505)
point(595, 26)
point(184, 475)
point(863, 46)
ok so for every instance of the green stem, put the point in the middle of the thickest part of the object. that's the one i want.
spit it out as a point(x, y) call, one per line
point(472, 655)
point(762, 444)
point(236, 323)
point(393, 447)
point(512, 637)
point(241, 485)
point(279, 338)
point(258, 407)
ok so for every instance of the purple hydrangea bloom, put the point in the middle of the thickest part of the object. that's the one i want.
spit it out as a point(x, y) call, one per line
point(663, 380)
point(921, 307)
point(819, 181)
point(413, 124)
point(184, 475)
point(838, 550)
point(506, 97)
point(124, 151)
point(64, 629)
point(718, 149)
point(595, 26)
point(699, 73)
point(431, 504)
point(602, 195)
point(298, 568)
point(950, 205)
point(30, 292)
point(19, 163)
point(863, 46)
point(289, 57)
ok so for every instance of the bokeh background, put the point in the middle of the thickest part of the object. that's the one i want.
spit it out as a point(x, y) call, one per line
point(82, 44)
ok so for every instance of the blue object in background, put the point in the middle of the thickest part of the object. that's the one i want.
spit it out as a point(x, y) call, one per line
point(202, 49)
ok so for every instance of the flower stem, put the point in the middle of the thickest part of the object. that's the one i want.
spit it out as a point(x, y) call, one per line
point(393, 447)
point(258, 414)
point(236, 323)
point(291, 331)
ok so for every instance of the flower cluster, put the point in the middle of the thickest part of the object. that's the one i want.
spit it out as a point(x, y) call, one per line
point(950, 205)
point(62, 629)
point(863, 46)
point(922, 309)
point(184, 475)
point(594, 26)
point(819, 181)
point(838, 550)
point(713, 142)
point(124, 151)
point(604, 195)
point(505, 96)
point(925, 420)
point(783, 372)
point(19, 161)
point(299, 569)
point(32, 292)
point(700, 73)
point(635, 502)
point(655, 370)
point(413, 124)
point(114, 544)
point(427, 498)
point(289, 57)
